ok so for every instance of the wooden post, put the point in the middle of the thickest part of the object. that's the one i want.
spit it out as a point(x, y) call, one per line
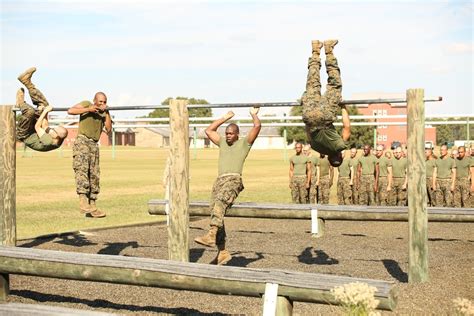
point(7, 187)
point(284, 306)
point(178, 233)
point(417, 214)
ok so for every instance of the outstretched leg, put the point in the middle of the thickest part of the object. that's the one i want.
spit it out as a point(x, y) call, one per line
point(333, 92)
point(26, 122)
point(312, 95)
point(35, 94)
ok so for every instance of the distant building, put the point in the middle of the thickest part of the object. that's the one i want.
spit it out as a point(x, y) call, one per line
point(386, 134)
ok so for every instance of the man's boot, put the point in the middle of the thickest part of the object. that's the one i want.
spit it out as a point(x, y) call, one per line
point(223, 255)
point(209, 239)
point(94, 211)
point(84, 204)
point(329, 46)
point(20, 96)
point(25, 78)
point(317, 45)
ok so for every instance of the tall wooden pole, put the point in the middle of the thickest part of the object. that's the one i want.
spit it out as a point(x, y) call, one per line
point(178, 233)
point(7, 186)
point(417, 214)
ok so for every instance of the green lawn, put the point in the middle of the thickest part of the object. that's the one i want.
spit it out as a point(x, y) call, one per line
point(47, 201)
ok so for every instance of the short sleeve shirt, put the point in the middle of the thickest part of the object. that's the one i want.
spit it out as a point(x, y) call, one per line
point(232, 158)
point(91, 123)
point(43, 143)
point(399, 167)
point(299, 164)
point(430, 165)
point(463, 166)
point(314, 162)
point(324, 166)
point(345, 168)
point(384, 163)
point(327, 141)
point(444, 166)
point(368, 164)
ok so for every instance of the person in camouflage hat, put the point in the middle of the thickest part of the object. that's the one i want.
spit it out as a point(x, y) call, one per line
point(232, 154)
point(94, 118)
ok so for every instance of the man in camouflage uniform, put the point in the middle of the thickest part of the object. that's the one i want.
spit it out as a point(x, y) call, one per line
point(430, 169)
point(398, 195)
point(385, 177)
point(300, 176)
point(93, 119)
point(232, 154)
point(354, 163)
point(368, 174)
point(464, 178)
point(326, 174)
point(319, 112)
point(314, 164)
point(444, 177)
point(345, 181)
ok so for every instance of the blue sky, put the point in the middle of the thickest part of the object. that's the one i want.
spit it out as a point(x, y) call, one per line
point(140, 52)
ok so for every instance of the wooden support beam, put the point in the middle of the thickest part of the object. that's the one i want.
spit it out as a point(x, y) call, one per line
point(225, 280)
point(326, 212)
point(21, 309)
point(417, 214)
point(7, 186)
point(178, 228)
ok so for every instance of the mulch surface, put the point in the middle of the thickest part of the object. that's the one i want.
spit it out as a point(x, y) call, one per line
point(376, 250)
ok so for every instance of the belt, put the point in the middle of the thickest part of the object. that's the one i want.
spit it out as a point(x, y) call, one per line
point(89, 139)
point(229, 174)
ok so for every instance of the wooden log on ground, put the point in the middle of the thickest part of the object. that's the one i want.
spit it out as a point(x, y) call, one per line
point(296, 286)
point(20, 309)
point(7, 186)
point(178, 228)
point(417, 215)
point(327, 212)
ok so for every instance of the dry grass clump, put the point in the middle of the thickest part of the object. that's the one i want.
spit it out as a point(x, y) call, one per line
point(357, 299)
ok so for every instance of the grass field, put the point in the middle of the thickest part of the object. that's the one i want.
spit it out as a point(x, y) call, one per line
point(47, 200)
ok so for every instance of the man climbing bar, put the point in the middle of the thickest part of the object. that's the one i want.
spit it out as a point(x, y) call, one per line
point(320, 112)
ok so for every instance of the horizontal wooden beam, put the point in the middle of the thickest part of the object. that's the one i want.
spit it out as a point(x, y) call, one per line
point(20, 309)
point(327, 212)
point(296, 286)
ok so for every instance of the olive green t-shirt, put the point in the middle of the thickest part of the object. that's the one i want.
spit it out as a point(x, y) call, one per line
point(368, 164)
point(444, 166)
point(463, 166)
point(399, 167)
point(314, 162)
point(354, 163)
point(324, 166)
point(327, 141)
point(299, 164)
point(91, 124)
point(43, 143)
point(384, 163)
point(231, 158)
point(345, 168)
point(430, 165)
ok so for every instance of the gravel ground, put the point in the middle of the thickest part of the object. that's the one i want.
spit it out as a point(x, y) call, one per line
point(377, 250)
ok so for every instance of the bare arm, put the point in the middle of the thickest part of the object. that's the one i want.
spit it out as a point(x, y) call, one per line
point(80, 109)
point(318, 170)
point(211, 130)
point(108, 122)
point(331, 175)
point(308, 173)
point(292, 168)
point(377, 172)
point(351, 182)
point(346, 125)
point(39, 123)
point(471, 171)
point(405, 183)
point(453, 179)
point(256, 126)
point(390, 177)
point(435, 175)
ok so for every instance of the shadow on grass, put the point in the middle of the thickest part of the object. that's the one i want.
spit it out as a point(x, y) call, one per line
point(242, 261)
point(195, 254)
point(99, 303)
point(321, 257)
point(395, 271)
point(38, 241)
point(75, 240)
point(117, 247)
point(354, 235)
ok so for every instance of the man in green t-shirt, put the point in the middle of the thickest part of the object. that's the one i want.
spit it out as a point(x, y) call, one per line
point(385, 177)
point(398, 194)
point(354, 163)
point(320, 112)
point(300, 175)
point(325, 180)
point(368, 175)
point(345, 180)
point(94, 118)
point(464, 178)
point(228, 185)
point(430, 169)
point(314, 182)
point(444, 177)
point(32, 127)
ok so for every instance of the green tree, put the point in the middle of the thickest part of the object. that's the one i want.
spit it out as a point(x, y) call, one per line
point(193, 112)
point(450, 133)
point(295, 133)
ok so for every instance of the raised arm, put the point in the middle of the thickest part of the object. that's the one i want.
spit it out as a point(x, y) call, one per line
point(39, 123)
point(108, 122)
point(211, 130)
point(346, 124)
point(80, 109)
point(256, 126)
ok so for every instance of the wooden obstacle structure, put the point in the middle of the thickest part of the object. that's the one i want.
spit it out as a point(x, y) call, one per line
point(292, 286)
point(20, 309)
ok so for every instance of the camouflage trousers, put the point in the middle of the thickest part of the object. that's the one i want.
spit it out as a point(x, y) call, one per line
point(431, 193)
point(355, 195)
point(313, 192)
point(324, 189)
point(462, 191)
point(225, 190)
point(381, 196)
point(398, 196)
point(366, 190)
point(344, 191)
point(25, 125)
point(321, 111)
point(85, 163)
point(444, 196)
point(299, 193)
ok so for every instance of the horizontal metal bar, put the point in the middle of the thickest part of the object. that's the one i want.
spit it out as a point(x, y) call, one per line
point(253, 104)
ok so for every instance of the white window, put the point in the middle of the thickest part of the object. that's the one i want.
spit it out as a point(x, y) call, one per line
point(384, 112)
point(384, 138)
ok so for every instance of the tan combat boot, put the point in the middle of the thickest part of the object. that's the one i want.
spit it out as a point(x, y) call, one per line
point(209, 239)
point(94, 211)
point(329, 45)
point(317, 45)
point(84, 204)
point(20, 96)
point(25, 78)
point(223, 255)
